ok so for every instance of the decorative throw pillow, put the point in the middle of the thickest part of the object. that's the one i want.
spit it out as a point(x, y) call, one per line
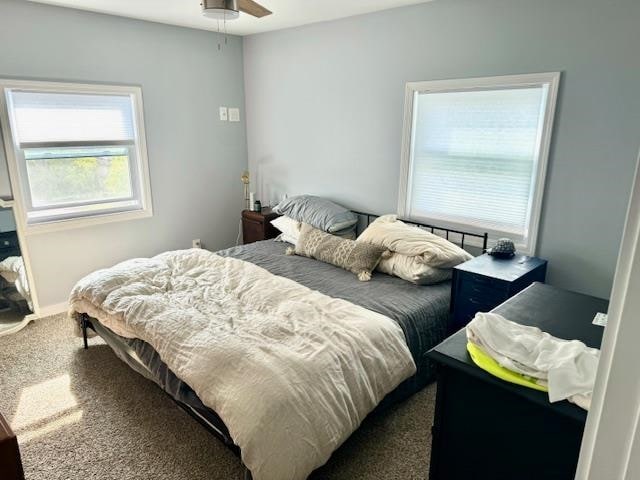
point(359, 258)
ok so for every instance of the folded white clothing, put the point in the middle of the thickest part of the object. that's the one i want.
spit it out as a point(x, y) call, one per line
point(567, 366)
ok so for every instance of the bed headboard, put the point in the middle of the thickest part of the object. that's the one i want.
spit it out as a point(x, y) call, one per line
point(366, 218)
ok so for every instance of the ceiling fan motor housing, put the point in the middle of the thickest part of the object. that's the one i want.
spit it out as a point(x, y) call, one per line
point(220, 9)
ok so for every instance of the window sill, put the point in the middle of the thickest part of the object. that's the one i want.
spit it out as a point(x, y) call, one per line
point(70, 224)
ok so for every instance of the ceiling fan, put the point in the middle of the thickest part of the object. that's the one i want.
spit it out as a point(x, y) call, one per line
point(230, 9)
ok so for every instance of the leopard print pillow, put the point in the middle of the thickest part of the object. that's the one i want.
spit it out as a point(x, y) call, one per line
point(357, 257)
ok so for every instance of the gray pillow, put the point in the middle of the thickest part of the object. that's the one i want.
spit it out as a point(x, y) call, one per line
point(357, 257)
point(348, 233)
point(318, 212)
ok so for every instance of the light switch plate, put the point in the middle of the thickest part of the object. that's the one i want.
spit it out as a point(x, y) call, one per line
point(234, 114)
point(223, 114)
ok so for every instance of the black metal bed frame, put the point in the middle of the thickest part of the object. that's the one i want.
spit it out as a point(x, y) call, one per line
point(85, 320)
point(86, 324)
point(433, 228)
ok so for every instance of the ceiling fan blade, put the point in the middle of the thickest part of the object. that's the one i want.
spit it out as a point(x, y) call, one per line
point(253, 8)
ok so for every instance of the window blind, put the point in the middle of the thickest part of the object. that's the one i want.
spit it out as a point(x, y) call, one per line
point(55, 118)
point(473, 156)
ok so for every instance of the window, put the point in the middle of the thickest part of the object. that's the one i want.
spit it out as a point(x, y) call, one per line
point(78, 152)
point(475, 151)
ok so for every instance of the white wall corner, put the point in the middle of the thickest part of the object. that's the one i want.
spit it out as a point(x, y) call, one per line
point(610, 436)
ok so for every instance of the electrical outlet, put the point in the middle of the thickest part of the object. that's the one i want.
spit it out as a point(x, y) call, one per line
point(223, 114)
point(197, 243)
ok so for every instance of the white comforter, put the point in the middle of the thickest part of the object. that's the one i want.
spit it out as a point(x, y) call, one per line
point(291, 372)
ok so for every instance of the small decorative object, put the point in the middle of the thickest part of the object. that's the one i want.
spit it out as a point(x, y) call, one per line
point(257, 206)
point(504, 248)
point(245, 183)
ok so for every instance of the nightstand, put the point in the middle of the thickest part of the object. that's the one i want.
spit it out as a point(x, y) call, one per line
point(484, 282)
point(257, 226)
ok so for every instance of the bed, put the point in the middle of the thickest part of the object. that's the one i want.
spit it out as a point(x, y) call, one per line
point(420, 312)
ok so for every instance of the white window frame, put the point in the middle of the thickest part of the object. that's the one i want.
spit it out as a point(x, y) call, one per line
point(413, 89)
point(17, 175)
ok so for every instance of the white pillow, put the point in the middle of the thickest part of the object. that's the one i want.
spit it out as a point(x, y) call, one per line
point(289, 227)
point(389, 232)
point(413, 270)
point(286, 238)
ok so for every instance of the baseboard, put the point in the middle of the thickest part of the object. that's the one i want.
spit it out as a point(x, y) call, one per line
point(50, 310)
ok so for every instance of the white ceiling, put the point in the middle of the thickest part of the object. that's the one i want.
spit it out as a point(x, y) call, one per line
point(286, 13)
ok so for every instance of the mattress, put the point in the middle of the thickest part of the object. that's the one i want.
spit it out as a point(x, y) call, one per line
point(421, 311)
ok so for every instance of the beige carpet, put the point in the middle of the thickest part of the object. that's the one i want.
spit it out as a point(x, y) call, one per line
point(86, 415)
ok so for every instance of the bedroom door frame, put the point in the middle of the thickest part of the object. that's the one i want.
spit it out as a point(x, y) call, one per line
point(611, 441)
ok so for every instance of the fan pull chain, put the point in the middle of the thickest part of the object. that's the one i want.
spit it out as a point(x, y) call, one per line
point(219, 46)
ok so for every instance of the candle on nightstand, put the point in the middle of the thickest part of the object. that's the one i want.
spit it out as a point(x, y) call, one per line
point(252, 200)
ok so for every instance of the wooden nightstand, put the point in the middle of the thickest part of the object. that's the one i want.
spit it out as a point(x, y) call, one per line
point(484, 282)
point(257, 226)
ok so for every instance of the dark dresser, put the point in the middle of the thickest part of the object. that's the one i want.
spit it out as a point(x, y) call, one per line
point(485, 282)
point(486, 428)
point(9, 246)
point(10, 464)
point(257, 226)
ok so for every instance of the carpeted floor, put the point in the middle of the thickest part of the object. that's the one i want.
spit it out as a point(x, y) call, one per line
point(86, 415)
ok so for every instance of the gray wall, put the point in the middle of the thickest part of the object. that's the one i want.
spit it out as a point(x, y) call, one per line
point(325, 106)
point(195, 160)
